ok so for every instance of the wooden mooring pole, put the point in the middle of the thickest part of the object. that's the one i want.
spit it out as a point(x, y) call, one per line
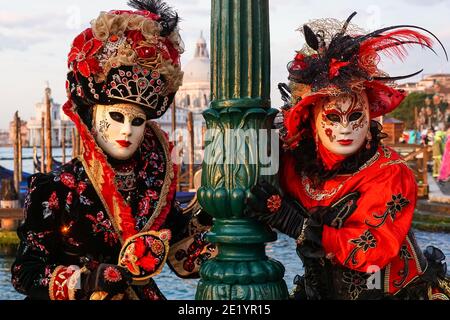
point(20, 149)
point(174, 120)
point(190, 127)
point(42, 145)
point(180, 155)
point(48, 130)
point(63, 143)
point(16, 134)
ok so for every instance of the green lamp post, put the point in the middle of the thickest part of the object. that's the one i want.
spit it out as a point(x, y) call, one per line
point(240, 46)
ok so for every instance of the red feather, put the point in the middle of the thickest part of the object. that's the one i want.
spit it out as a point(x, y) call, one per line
point(148, 263)
point(391, 43)
point(139, 248)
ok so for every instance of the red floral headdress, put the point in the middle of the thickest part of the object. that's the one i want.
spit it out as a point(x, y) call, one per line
point(337, 62)
point(128, 56)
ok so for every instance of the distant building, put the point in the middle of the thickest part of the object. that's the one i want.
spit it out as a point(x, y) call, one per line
point(24, 131)
point(193, 96)
point(5, 140)
point(438, 84)
point(58, 121)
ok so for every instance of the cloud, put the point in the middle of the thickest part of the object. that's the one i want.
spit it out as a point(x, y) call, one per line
point(22, 31)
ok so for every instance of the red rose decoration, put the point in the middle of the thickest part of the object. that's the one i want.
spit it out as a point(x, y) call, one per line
point(173, 53)
point(82, 56)
point(146, 52)
point(135, 36)
point(143, 52)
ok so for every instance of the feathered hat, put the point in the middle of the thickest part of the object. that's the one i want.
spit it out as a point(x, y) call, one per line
point(338, 60)
point(128, 56)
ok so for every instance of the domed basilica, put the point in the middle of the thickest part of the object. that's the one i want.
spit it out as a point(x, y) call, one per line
point(193, 96)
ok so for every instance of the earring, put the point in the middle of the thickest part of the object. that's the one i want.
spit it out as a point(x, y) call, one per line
point(369, 140)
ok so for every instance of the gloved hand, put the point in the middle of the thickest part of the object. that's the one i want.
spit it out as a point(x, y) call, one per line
point(267, 205)
point(288, 216)
point(310, 240)
point(107, 278)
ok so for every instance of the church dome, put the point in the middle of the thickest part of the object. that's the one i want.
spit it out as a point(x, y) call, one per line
point(198, 69)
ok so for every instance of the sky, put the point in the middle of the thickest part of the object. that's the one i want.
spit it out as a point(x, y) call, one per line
point(35, 38)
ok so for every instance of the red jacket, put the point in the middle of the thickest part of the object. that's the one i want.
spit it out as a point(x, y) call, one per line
point(376, 232)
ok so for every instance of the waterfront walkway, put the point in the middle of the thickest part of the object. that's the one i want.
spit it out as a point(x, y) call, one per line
point(433, 214)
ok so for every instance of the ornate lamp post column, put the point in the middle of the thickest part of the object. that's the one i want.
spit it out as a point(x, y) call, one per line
point(240, 85)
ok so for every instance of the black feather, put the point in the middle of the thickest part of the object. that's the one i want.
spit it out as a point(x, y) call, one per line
point(286, 94)
point(380, 31)
point(311, 38)
point(399, 77)
point(169, 18)
point(344, 28)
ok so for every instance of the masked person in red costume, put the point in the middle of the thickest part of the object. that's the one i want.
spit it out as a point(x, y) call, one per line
point(348, 200)
point(100, 227)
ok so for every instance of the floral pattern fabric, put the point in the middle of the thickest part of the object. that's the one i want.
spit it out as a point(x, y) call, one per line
point(66, 223)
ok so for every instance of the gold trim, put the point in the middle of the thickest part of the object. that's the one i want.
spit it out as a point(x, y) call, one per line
point(99, 194)
point(320, 195)
point(386, 278)
point(157, 234)
point(97, 172)
point(444, 284)
point(416, 259)
point(387, 152)
point(393, 162)
point(169, 174)
point(99, 295)
point(52, 282)
point(439, 297)
point(417, 264)
point(95, 176)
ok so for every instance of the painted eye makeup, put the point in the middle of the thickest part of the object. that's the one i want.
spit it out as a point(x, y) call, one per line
point(137, 122)
point(355, 116)
point(117, 116)
point(333, 117)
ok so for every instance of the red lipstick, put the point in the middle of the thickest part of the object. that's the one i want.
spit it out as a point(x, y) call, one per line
point(345, 142)
point(124, 143)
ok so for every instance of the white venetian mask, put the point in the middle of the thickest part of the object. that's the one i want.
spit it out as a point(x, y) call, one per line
point(120, 129)
point(343, 123)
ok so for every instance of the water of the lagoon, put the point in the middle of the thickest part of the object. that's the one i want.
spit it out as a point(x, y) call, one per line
point(174, 288)
point(27, 154)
